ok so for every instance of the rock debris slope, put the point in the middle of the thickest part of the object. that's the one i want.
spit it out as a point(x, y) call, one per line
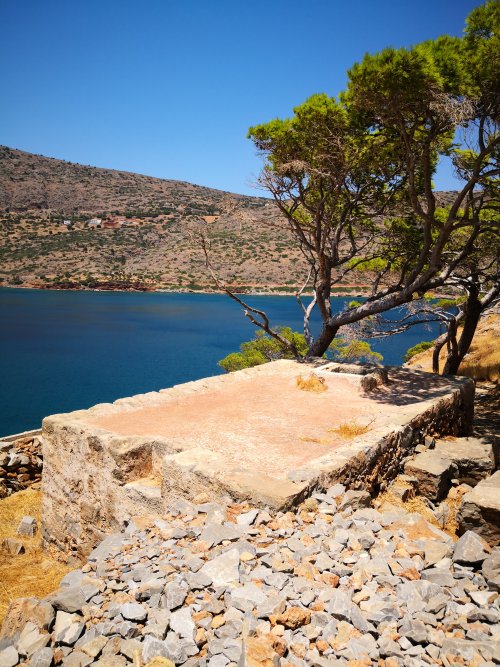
point(335, 583)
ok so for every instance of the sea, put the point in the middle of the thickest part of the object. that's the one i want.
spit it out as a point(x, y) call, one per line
point(67, 350)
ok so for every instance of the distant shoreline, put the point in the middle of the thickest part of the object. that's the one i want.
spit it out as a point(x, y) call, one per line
point(264, 292)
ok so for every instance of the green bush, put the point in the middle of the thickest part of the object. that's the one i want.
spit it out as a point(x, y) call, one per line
point(419, 347)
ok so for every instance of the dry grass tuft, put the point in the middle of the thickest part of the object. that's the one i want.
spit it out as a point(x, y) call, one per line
point(32, 574)
point(418, 505)
point(350, 429)
point(312, 383)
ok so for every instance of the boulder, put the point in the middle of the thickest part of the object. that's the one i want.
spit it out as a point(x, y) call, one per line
point(434, 474)
point(480, 510)
point(473, 457)
point(470, 549)
point(491, 570)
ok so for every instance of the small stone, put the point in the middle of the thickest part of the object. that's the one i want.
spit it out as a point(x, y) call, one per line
point(247, 518)
point(133, 611)
point(9, 657)
point(491, 570)
point(27, 527)
point(11, 546)
point(294, 617)
point(41, 658)
point(174, 595)
point(223, 569)
point(355, 500)
point(182, 623)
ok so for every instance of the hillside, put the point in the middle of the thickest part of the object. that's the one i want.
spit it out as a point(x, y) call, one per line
point(148, 237)
point(482, 362)
point(154, 241)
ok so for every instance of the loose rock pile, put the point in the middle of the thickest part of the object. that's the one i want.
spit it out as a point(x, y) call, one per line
point(336, 583)
point(20, 464)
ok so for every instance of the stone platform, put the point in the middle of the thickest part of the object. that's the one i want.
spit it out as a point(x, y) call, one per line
point(252, 435)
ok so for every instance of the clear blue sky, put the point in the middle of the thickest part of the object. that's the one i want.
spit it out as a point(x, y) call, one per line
point(169, 87)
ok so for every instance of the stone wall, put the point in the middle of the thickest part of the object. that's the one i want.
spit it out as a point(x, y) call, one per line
point(94, 480)
point(21, 462)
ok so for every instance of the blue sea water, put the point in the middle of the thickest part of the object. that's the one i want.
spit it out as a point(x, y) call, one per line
point(65, 350)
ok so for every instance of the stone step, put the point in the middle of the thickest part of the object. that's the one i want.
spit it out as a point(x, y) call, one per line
point(480, 510)
point(433, 473)
point(145, 495)
point(474, 457)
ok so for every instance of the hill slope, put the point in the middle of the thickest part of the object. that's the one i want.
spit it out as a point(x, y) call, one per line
point(155, 244)
point(150, 233)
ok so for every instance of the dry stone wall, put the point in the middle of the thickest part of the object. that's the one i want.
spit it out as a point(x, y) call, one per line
point(21, 462)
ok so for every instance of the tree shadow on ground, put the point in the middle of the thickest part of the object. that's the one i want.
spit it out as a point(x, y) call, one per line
point(407, 387)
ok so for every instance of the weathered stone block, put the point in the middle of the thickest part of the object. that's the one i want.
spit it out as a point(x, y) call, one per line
point(473, 457)
point(434, 474)
point(480, 510)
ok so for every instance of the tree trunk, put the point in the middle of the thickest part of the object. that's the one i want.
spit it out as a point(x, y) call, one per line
point(321, 343)
point(438, 346)
point(472, 313)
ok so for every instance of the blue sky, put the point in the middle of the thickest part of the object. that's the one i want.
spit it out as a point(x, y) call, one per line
point(169, 87)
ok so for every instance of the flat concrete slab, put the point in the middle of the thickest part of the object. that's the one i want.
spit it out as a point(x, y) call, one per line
point(250, 435)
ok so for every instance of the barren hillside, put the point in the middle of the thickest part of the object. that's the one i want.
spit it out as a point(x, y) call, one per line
point(148, 236)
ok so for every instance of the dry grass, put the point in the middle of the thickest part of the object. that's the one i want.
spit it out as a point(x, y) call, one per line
point(32, 574)
point(482, 362)
point(312, 383)
point(418, 505)
point(350, 429)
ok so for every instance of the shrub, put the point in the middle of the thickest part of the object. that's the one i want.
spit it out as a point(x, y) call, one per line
point(416, 349)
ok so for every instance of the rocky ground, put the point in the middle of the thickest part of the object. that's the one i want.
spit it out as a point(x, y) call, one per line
point(334, 583)
point(21, 464)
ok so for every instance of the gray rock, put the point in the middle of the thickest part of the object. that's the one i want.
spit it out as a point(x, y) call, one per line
point(470, 549)
point(78, 659)
point(31, 640)
point(355, 500)
point(41, 658)
point(133, 611)
point(68, 628)
point(69, 599)
point(198, 580)
point(9, 657)
point(434, 474)
point(223, 569)
point(27, 527)
point(415, 631)
point(473, 457)
point(438, 576)
point(169, 648)
point(174, 595)
point(215, 533)
point(480, 510)
point(182, 623)
point(491, 570)
point(247, 518)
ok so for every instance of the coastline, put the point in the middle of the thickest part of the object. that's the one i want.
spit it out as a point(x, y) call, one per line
point(265, 291)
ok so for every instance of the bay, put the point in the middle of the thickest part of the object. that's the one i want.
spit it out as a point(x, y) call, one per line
point(66, 350)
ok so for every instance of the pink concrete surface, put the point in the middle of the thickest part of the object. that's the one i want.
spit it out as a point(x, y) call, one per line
point(261, 423)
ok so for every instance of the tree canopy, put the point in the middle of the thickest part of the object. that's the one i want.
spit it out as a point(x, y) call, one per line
point(353, 176)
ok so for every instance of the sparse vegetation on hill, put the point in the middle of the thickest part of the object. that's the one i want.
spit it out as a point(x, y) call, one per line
point(153, 246)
